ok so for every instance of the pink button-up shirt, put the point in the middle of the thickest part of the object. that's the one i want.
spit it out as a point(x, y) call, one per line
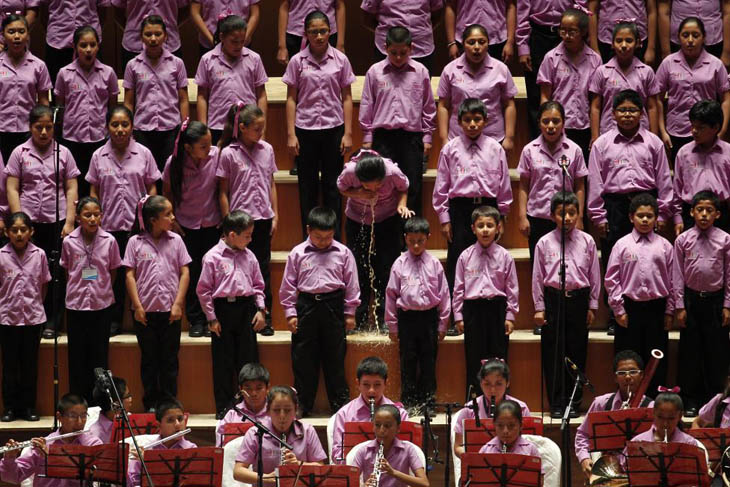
point(102, 428)
point(19, 89)
point(640, 267)
point(492, 83)
point(314, 271)
point(485, 273)
point(20, 6)
point(228, 83)
point(87, 98)
point(134, 472)
point(581, 266)
point(21, 281)
point(621, 165)
point(157, 266)
point(137, 10)
point(199, 207)
point(696, 170)
point(521, 446)
point(156, 105)
point(355, 411)
point(611, 11)
point(93, 292)
point(211, 10)
point(677, 436)
point(707, 10)
point(229, 273)
point(470, 168)
point(468, 413)
point(319, 86)
point(609, 79)
point(402, 456)
point(685, 85)
point(362, 211)
point(417, 283)
point(397, 98)
point(250, 174)
point(121, 183)
point(3, 190)
point(701, 263)
point(299, 9)
point(37, 177)
point(415, 15)
point(569, 82)
point(65, 16)
point(542, 12)
point(301, 436)
point(545, 174)
point(33, 462)
point(490, 14)
point(708, 411)
point(232, 416)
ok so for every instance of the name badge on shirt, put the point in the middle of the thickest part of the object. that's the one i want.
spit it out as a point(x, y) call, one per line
point(89, 274)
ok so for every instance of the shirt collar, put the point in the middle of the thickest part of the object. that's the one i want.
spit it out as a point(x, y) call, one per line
point(408, 66)
point(311, 248)
point(715, 147)
point(542, 144)
point(77, 67)
point(328, 54)
point(637, 236)
point(163, 57)
point(463, 64)
point(638, 136)
point(468, 142)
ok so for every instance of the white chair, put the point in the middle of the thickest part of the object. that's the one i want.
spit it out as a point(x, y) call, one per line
point(456, 460)
point(92, 416)
point(330, 437)
point(551, 459)
point(351, 456)
point(230, 450)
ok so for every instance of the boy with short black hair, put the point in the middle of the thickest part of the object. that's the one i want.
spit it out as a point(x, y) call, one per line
point(701, 281)
point(417, 309)
point(253, 382)
point(582, 288)
point(372, 377)
point(320, 293)
point(703, 164)
point(486, 295)
point(639, 286)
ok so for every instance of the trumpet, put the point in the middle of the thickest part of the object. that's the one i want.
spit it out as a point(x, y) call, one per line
point(376, 468)
point(282, 454)
point(23, 444)
point(372, 408)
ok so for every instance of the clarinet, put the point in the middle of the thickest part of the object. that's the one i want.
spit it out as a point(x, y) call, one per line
point(492, 407)
point(372, 408)
point(376, 468)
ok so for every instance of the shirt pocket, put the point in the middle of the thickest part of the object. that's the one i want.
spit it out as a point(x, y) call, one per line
point(415, 92)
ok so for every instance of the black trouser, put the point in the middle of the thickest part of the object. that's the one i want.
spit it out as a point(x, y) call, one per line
point(387, 249)
point(319, 152)
point(320, 338)
point(45, 236)
point(723, 222)
point(539, 227)
point(56, 59)
point(159, 343)
point(427, 60)
point(198, 242)
point(119, 284)
point(261, 247)
point(542, 40)
point(572, 344)
point(703, 346)
point(235, 347)
point(582, 137)
point(405, 149)
point(677, 143)
point(88, 348)
point(418, 345)
point(606, 51)
point(9, 141)
point(19, 345)
point(483, 334)
point(215, 135)
point(645, 333)
point(294, 43)
point(129, 55)
point(161, 143)
point(462, 236)
point(619, 225)
point(82, 152)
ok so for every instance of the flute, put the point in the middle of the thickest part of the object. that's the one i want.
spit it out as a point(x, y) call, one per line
point(166, 439)
point(23, 444)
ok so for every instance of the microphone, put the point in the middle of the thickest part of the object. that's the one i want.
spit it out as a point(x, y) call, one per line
point(581, 376)
point(563, 162)
point(102, 379)
point(475, 406)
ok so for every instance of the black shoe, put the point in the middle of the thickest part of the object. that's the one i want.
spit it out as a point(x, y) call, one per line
point(556, 413)
point(196, 331)
point(115, 329)
point(30, 415)
point(537, 330)
point(293, 171)
point(691, 412)
point(611, 330)
point(574, 413)
point(206, 332)
point(452, 332)
point(221, 414)
point(8, 416)
point(49, 334)
point(267, 331)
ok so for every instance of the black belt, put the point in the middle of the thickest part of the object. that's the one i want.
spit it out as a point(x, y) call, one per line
point(704, 294)
point(473, 200)
point(545, 29)
point(575, 293)
point(338, 294)
point(233, 299)
point(628, 196)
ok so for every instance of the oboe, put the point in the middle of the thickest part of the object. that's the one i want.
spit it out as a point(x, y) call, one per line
point(376, 468)
point(492, 407)
point(23, 444)
point(282, 455)
point(372, 408)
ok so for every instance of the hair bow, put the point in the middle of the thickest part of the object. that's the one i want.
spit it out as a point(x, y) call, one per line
point(583, 9)
point(140, 205)
point(674, 389)
point(631, 20)
point(223, 15)
point(493, 359)
point(239, 105)
point(183, 127)
point(364, 152)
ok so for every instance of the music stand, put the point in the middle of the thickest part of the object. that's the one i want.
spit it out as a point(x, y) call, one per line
point(300, 475)
point(357, 432)
point(610, 430)
point(716, 440)
point(98, 463)
point(141, 424)
point(476, 437)
point(231, 431)
point(199, 467)
point(500, 469)
point(652, 464)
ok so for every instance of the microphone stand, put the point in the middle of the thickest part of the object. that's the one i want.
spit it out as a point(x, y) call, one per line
point(261, 430)
point(449, 407)
point(55, 255)
point(429, 437)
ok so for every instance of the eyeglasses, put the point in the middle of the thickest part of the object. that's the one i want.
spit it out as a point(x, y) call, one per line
point(628, 110)
point(569, 32)
point(75, 417)
point(629, 373)
point(318, 32)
